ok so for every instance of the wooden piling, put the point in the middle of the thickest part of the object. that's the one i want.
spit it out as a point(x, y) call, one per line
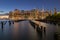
point(2, 25)
point(9, 22)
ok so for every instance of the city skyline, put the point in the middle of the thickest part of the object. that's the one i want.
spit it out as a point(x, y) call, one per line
point(9, 5)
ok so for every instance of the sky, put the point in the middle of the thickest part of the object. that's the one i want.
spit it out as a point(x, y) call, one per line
point(9, 5)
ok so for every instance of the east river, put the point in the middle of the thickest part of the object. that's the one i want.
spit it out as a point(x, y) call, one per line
point(23, 30)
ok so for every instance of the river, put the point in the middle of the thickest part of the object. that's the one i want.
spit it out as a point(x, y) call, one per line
point(23, 30)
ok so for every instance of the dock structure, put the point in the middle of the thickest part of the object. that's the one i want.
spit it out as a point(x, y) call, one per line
point(39, 26)
point(38, 23)
point(47, 30)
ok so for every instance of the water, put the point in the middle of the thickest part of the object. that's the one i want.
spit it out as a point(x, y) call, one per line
point(23, 30)
point(19, 30)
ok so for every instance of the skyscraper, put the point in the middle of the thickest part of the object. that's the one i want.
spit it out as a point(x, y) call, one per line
point(55, 12)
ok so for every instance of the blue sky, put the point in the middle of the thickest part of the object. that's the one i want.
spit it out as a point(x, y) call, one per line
point(8, 5)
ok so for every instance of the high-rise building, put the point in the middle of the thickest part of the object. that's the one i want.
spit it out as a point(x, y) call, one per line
point(55, 12)
point(50, 13)
point(42, 13)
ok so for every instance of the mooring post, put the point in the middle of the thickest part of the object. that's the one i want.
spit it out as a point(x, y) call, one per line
point(41, 28)
point(35, 27)
point(13, 22)
point(44, 33)
point(38, 28)
point(44, 29)
point(9, 22)
point(2, 25)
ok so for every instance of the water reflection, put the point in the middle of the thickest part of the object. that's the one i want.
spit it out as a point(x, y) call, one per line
point(23, 30)
point(16, 27)
point(2, 23)
point(40, 35)
point(15, 30)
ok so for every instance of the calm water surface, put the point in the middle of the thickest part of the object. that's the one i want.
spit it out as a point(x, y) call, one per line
point(23, 30)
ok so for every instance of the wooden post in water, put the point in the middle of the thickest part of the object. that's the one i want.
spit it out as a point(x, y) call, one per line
point(2, 25)
point(41, 28)
point(44, 29)
point(44, 33)
point(9, 22)
point(35, 27)
point(38, 28)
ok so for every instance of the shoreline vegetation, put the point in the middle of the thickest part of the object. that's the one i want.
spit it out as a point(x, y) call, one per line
point(54, 18)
